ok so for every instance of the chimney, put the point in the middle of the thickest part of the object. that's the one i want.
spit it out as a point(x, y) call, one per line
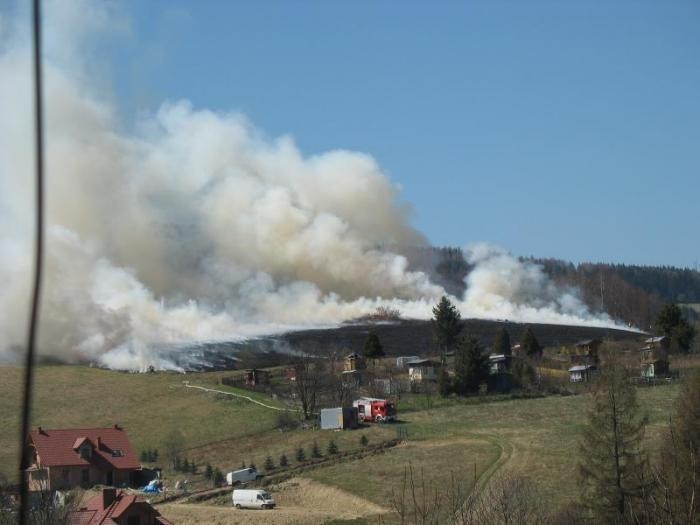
point(116, 427)
point(40, 430)
point(108, 497)
point(99, 442)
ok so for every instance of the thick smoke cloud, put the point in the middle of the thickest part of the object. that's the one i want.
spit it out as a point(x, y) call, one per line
point(192, 226)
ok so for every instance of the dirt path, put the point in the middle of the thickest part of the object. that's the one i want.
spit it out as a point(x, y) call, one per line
point(187, 384)
point(504, 446)
point(299, 500)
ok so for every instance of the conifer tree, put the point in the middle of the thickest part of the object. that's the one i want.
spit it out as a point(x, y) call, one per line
point(447, 325)
point(208, 471)
point(612, 460)
point(283, 460)
point(471, 367)
point(444, 383)
point(301, 455)
point(332, 448)
point(315, 451)
point(364, 441)
point(529, 344)
point(373, 347)
point(501, 345)
point(269, 464)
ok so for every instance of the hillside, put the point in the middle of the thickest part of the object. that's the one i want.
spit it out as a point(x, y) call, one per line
point(472, 438)
point(404, 337)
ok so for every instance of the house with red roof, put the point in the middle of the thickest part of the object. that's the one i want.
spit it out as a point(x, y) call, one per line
point(114, 507)
point(80, 457)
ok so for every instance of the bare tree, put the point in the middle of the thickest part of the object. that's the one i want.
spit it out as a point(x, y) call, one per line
point(307, 385)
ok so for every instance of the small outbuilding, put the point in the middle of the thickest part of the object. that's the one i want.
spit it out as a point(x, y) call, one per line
point(339, 418)
point(402, 361)
point(586, 352)
point(654, 362)
point(256, 377)
point(581, 373)
point(353, 362)
point(422, 370)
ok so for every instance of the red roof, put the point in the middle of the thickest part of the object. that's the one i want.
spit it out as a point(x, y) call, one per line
point(59, 447)
point(94, 512)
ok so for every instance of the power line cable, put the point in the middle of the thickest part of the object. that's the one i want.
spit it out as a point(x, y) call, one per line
point(38, 264)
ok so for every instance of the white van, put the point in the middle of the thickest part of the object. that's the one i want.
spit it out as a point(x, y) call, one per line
point(252, 499)
point(242, 475)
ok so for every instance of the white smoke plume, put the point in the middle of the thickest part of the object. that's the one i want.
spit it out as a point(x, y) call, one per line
point(192, 226)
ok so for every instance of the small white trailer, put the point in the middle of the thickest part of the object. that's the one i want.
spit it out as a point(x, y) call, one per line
point(242, 476)
point(252, 499)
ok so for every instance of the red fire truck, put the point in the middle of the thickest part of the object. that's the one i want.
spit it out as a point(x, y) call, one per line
point(373, 410)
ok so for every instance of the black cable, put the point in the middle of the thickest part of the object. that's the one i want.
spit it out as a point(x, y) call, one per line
point(38, 266)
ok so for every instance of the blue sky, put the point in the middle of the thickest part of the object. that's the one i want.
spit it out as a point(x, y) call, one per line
point(551, 128)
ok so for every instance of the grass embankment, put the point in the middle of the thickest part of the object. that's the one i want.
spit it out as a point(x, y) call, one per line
point(149, 406)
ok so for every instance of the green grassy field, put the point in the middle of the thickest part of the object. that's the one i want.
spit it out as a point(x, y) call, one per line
point(537, 437)
point(149, 406)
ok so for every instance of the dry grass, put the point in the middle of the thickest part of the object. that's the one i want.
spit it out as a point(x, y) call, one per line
point(299, 500)
point(149, 406)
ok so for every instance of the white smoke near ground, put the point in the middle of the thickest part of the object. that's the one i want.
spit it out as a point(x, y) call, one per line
point(196, 227)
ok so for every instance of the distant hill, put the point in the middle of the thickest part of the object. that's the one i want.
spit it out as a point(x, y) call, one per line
point(404, 337)
point(632, 293)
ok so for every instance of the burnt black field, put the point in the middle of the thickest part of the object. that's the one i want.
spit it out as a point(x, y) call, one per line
point(405, 337)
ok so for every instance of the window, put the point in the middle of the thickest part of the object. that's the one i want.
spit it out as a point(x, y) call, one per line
point(86, 452)
point(85, 476)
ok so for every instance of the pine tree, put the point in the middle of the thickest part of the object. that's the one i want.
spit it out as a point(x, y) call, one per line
point(193, 467)
point(332, 448)
point(218, 477)
point(612, 459)
point(471, 366)
point(671, 323)
point(529, 344)
point(501, 345)
point(269, 464)
point(315, 451)
point(364, 441)
point(185, 465)
point(154, 455)
point(283, 460)
point(208, 471)
point(373, 347)
point(301, 455)
point(444, 383)
point(679, 468)
point(447, 324)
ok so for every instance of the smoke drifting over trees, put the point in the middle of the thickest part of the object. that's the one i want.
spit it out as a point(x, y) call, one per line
point(193, 226)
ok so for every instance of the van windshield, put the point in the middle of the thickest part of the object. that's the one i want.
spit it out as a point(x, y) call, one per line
point(266, 495)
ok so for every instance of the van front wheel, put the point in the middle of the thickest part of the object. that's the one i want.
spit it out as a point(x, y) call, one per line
point(238, 506)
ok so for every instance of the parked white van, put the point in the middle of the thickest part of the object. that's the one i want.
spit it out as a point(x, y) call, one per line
point(241, 475)
point(252, 499)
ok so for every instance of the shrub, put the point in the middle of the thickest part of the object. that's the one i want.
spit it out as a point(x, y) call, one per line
point(301, 455)
point(332, 448)
point(218, 478)
point(283, 460)
point(315, 451)
point(269, 464)
point(208, 471)
point(364, 441)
